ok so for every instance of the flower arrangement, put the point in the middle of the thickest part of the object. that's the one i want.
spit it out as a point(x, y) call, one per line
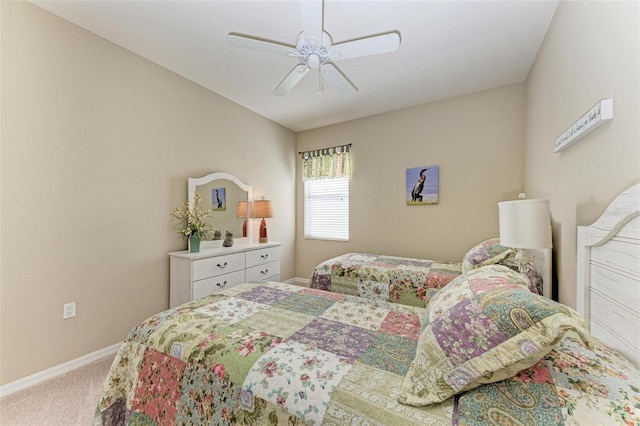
point(192, 220)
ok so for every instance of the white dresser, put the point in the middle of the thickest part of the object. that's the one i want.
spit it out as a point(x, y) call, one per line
point(195, 275)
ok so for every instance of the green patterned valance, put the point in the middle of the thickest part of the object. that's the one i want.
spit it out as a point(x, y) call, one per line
point(326, 163)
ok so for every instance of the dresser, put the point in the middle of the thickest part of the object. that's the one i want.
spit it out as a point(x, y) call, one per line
point(195, 275)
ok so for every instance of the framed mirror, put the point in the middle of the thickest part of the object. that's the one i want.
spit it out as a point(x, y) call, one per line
point(230, 199)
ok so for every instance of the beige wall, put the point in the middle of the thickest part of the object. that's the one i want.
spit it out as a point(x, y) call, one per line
point(478, 142)
point(591, 52)
point(97, 145)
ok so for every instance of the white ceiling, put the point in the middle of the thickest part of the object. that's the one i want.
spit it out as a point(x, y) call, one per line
point(448, 48)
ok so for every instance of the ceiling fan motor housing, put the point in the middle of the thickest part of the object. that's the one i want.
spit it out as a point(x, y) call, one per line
point(312, 51)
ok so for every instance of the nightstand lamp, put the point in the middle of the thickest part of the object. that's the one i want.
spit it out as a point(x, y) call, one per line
point(242, 214)
point(525, 224)
point(262, 209)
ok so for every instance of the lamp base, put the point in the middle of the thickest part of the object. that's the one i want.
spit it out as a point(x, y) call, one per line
point(525, 266)
point(263, 232)
point(524, 260)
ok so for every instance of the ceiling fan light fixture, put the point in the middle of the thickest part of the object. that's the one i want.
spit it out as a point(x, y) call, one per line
point(312, 51)
point(313, 60)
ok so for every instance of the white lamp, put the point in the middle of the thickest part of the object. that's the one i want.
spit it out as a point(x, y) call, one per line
point(525, 224)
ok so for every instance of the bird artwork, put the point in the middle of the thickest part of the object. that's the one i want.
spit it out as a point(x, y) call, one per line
point(218, 199)
point(416, 194)
point(422, 185)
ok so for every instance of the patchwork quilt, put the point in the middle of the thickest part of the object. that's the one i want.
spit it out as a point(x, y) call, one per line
point(395, 279)
point(280, 354)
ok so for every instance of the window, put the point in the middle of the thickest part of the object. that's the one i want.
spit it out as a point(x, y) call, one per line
point(326, 173)
point(326, 209)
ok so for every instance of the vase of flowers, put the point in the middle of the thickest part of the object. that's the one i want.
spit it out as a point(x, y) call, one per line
point(194, 244)
point(191, 222)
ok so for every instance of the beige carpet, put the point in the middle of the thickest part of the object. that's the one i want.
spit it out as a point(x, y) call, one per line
point(67, 400)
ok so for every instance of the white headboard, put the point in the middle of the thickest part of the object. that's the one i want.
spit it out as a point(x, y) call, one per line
point(609, 274)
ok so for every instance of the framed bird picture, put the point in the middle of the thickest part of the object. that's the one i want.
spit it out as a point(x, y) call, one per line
point(219, 199)
point(423, 186)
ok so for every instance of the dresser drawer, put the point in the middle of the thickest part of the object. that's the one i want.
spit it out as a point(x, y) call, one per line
point(262, 256)
point(214, 266)
point(262, 272)
point(212, 285)
point(196, 275)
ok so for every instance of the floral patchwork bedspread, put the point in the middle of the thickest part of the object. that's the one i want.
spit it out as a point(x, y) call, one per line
point(396, 279)
point(279, 354)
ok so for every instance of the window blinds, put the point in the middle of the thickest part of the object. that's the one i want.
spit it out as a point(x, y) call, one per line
point(326, 209)
point(326, 173)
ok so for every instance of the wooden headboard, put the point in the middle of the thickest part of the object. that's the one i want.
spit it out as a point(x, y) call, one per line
point(609, 274)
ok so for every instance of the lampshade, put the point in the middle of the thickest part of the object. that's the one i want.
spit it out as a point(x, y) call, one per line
point(262, 208)
point(241, 212)
point(242, 209)
point(525, 224)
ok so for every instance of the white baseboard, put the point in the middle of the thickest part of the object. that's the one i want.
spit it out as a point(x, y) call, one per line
point(58, 370)
point(298, 281)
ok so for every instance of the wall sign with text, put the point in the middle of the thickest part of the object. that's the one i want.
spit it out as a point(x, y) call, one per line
point(594, 118)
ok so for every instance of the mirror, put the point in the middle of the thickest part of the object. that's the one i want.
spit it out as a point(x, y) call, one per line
point(221, 192)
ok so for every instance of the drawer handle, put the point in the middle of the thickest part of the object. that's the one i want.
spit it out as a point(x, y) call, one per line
point(264, 256)
point(265, 272)
point(222, 266)
point(222, 285)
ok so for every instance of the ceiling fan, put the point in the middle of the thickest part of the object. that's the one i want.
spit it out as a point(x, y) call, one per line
point(315, 50)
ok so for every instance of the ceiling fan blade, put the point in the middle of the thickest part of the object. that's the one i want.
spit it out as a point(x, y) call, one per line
point(291, 80)
point(253, 43)
point(338, 80)
point(311, 12)
point(373, 45)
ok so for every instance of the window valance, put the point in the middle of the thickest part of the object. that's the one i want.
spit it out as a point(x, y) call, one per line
point(326, 163)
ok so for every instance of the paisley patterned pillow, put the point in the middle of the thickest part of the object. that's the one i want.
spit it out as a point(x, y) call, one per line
point(485, 253)
point(490, 277)
point(480, 333)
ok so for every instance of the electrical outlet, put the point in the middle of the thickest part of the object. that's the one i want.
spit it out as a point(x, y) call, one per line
point(69, 310)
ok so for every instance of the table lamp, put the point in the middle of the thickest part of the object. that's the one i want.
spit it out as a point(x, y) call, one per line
point(525, 224)
point(262, 209)
point(242, 213)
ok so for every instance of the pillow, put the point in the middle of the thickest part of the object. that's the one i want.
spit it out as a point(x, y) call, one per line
point(490, 252)
point(478, 332)
point(485, 253)
point(479, 280)
point(534, 278)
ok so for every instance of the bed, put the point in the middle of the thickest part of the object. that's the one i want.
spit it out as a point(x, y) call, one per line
point(608, 293)
point(486, 350)
point(401, 280)
point(412, 281)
